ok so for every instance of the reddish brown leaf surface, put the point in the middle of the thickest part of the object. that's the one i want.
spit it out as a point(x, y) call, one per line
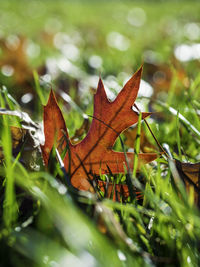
point(94, 153)
point(116, 191)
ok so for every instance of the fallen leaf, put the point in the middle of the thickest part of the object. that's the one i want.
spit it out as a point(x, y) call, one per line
point(190, 174)
point(26, 143)
point(26, 139)
point(94, 153)
point(15, 57)
point(145, 145)
point(17, 135)
point(116, 191)
point(160, 77)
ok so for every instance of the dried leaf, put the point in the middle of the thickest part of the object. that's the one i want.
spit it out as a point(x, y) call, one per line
point(25, 142)
point(25, 139)
point(190, 174)
point(116, 191)
point(14, 56)
point(17, 135)
point(94, 153)
point(145, 145)
point(161, 76)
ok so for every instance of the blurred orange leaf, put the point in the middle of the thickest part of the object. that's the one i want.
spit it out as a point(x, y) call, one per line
point(14, 56)
point(145, 145)
point(161, 76)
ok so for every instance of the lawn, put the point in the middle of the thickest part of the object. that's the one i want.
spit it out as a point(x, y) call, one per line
point(145, 215)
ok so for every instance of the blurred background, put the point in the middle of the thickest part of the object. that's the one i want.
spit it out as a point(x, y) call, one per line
point(70, 43)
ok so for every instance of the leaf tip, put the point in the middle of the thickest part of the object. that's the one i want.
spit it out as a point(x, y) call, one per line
point(100, 83)
point(51, 99)
point(146, 114)
point(139, 71)
point(101, 91)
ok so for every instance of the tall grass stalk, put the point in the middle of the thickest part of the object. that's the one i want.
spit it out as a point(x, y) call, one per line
point(10, 205)
point(178, 136)
point(137, 145)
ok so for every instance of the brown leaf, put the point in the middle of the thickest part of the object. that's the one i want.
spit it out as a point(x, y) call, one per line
point(26, 142)
point(145, 145)
point(15, 56)
point(94, 153)
point(161, 75)
point(116, 191)
point(18, 135)
point(54, 127)
point(190, 174)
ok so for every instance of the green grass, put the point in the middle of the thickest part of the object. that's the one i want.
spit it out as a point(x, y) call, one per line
point(45, 223)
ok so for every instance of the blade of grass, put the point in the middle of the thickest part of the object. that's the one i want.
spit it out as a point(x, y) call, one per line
point(181, 117)
point(76, 229)
point(176, 178)
point(137, 146)
point(12, 103)
point(10, 205)
point(178, 136)
point(38, 88)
